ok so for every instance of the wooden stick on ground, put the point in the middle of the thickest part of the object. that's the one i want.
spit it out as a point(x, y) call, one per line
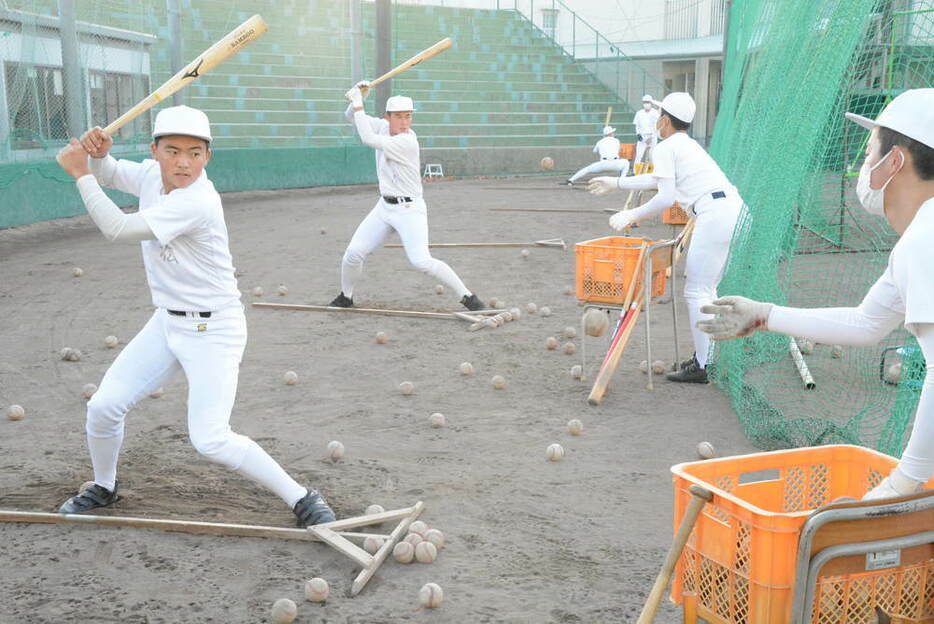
point(548, 242)
point(405, 313)
point(193, 527)
point(563, 210)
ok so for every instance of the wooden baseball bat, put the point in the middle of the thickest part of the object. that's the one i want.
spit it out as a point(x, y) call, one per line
point(609, 112)
point(240, 37)
point(424, 55)
point(699, 498)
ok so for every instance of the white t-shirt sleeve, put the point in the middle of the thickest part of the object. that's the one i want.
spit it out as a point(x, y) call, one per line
point(178, 213)
point(911, 268)
point(663, 160)
point(122, 175)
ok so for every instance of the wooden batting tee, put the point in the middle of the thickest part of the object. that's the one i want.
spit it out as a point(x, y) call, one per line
point(334, 534)
point(237, 39)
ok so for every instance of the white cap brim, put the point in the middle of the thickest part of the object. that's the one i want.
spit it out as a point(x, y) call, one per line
point(865, 122)
point(196, 136)
point(656, 103)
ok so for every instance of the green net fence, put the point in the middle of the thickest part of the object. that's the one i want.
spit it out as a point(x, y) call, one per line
point(794, 67)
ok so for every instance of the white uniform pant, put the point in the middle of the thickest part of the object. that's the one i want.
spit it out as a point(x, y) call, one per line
point(619, 166)
point(648, 140)
point(209, 350)
point(410, 220)
point(706, 259)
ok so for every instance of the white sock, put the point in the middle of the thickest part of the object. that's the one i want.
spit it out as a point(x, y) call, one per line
point(349, 275)
point(701, 339)
point(104, 454)
point(440, 270)
point(258, 466)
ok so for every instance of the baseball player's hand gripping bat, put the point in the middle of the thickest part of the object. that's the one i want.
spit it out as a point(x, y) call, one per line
point(424, 55)
point(699, 498)
point(240, 37)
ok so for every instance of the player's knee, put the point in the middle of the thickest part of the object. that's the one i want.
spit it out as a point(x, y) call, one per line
point(216, 447)
point(354, 257)
point(104, 416)
point(425, 263)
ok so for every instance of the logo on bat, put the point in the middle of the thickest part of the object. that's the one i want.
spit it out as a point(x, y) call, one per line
point(193, 73)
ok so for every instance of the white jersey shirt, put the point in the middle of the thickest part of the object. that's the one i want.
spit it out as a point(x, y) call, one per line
point(695, 172)
point(645, 121)
point(907, 285)
point(607, 147)
point(189, 266)
point(397, 157)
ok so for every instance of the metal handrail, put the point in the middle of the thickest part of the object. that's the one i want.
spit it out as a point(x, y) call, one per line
point(598, 40)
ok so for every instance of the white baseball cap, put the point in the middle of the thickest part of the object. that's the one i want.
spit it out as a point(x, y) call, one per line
point(608, 130)
point(647, 98)
point(399, 104)
point(679, 105)
point(911, 114)
point(182, 120)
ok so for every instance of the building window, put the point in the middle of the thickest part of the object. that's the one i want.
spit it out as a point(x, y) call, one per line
point(111, 94)
point(36, 102)
point(550, 22)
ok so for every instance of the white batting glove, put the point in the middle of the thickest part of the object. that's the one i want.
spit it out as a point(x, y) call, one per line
point(601, 185)
point(737, 317)
point(621, 220)
point(896, 484)
point(355, 97)
point(364, 86)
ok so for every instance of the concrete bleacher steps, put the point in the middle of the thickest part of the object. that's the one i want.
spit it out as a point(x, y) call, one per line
point(503, 86)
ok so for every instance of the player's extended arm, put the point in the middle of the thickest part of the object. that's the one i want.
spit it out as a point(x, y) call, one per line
point(605, 184)
point(917, 462)
point(110, 220)
point(865, 325)
point(663, 199)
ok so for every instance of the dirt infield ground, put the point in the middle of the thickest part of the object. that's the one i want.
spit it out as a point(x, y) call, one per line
point(527, 540)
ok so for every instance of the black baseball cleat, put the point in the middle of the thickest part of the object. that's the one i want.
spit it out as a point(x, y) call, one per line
point(340, 301)
point(687, 362)
point(313, 509)
point(91, 498)
point(691, 372)
point(566, 183)
point(472, 302)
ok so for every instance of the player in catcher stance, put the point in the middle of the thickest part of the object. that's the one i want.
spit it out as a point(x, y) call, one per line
point(684, 171)
point(400, 206)
point(608, 149)
point(198, 326)
point(896, 181)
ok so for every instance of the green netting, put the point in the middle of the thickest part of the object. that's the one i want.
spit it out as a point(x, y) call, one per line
point(793, 68)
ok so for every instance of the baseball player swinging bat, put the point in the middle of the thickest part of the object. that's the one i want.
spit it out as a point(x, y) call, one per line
point(237, 39)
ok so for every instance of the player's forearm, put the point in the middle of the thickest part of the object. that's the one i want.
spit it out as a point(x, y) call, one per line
point(104, 169)
point(367, 135)
point(862, 326)
point(642, 182)
point(663, 199)
point(918, 459)
point(110, 220)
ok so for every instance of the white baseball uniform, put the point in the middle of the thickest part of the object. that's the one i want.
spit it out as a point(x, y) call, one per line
point(397, 168)
point(685, 172)
point(903, 294)
point(189, 270)
point(608, 150)
point(645, 121)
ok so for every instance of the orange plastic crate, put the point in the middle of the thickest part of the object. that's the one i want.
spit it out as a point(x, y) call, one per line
point(739, 562)
point(640, 168)
point(675, 215)
point(605, 267)
point(627, 151)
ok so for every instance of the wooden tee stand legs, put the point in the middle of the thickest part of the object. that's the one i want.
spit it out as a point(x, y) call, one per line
point(335, 534)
